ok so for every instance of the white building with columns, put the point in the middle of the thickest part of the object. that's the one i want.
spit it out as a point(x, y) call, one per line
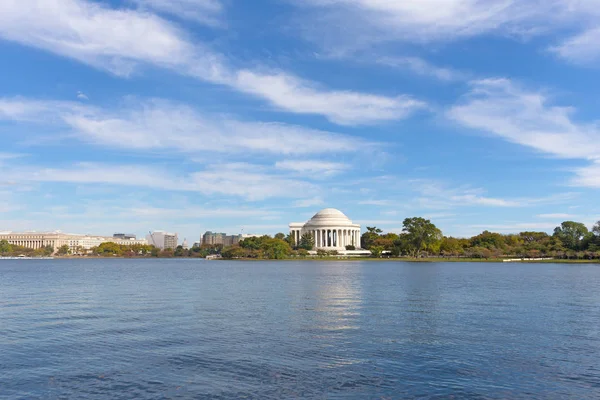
point(330, 228)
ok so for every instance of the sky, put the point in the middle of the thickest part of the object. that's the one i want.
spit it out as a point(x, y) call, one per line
point(243, 116)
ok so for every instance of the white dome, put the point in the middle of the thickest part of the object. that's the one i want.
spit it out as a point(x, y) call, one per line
point(329, 217)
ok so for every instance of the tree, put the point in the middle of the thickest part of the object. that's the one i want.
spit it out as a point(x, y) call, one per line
point(376, 251)
point(280, 236)
point(233, 252)
point(596, 229)
point(5, 247)
point(63, 250)
point(370, 236)
point(180, 251)
point(307, 242)
point(422, 234)
point(109, 249)
point(276, 249)
point(571, 234)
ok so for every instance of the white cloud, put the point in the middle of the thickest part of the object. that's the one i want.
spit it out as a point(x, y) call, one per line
point(313, 168)
point(82, 96)
point(581, 49)
point(500, 107)
point(429, 20)
point(347, 25)
point(312, 202)
point(121, 40)
point(437, 195)
point(250, 182)
point(203, 11)
point(290, 93)
point(116, 40)
point(159, 124)
point(588, 176)
point(422, 67)
point(239, 180)
point(556, 216)
point(378, 203)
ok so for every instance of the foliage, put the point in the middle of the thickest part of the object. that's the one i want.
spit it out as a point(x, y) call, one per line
point(376, 251)
point(571, 234)
point(63, 250)
point(369, 237)
point(421, 235)
point(307, 242)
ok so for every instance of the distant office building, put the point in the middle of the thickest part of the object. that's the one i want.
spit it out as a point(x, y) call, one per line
point(212, 238)
point(124, 236)
point(163, 240)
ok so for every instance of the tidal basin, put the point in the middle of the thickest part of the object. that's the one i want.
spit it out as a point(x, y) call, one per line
point(156, 329)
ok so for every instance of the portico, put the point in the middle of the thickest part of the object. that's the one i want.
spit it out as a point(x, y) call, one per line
point(331, 230)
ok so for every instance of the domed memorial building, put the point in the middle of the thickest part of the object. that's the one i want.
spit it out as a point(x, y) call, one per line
point(331, 230)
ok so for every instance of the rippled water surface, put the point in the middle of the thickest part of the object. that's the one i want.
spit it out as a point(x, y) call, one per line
point(156, 329)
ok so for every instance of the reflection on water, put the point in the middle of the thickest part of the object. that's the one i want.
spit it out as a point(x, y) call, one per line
point(154, 329)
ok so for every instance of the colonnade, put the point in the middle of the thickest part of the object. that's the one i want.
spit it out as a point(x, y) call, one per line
point(330, 237)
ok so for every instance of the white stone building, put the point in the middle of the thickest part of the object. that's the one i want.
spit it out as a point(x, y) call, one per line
point(76, 243)
point(163, 240)
point(330, 228)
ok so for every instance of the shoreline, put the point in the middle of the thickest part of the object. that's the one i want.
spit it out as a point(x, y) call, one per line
point(339, 259)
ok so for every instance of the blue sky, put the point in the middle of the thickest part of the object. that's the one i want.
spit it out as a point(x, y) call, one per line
point(243, 116)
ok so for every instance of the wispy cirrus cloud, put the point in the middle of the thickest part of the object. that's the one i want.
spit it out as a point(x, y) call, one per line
point(556, 216)
point(312, 202)
point(347, 25)
point(503, 108)
point(77, 29)
point(206, 12)
point(250, 182)
point(583, 48)
point(420, 66)
point(313, 168)
point(160, 124)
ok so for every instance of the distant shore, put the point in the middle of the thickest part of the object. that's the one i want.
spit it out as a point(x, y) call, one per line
point(338, 259)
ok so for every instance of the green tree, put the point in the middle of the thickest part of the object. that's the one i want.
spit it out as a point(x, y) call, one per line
point(63, 250)
point(596, 229)
point(571, 234)
point(280, 236)
point(109, 249)
point(233, 252)
point(422, 234)
point(370, 236)
point(180, 251)
point(376, 251)
point(307, 242)
point(276, 249)
point(5, 247)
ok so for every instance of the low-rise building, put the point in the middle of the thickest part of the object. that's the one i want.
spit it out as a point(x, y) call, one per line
point(76, 243)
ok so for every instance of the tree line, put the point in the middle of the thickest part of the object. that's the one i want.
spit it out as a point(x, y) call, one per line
point(421, 238)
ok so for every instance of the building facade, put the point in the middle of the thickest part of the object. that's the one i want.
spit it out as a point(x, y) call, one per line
point(163, 240)
point(212, 238)
point(76, 243)
point(331, 230)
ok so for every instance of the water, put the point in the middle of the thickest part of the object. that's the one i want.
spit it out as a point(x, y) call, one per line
point(159, 329)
